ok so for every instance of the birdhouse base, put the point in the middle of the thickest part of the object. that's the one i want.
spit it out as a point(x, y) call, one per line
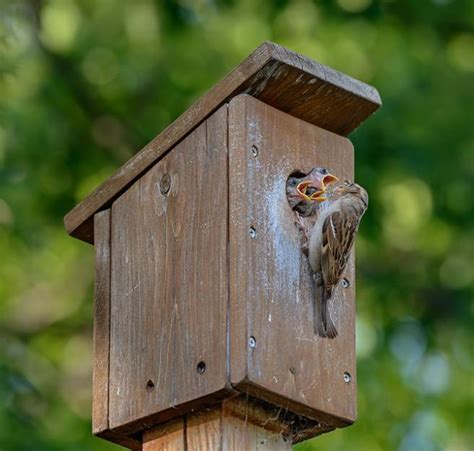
point(240, 422)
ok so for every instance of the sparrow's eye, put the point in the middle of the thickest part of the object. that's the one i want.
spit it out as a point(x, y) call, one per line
point(292, 182)
point(323, 171)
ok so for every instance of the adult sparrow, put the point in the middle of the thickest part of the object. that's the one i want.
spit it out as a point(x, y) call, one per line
point(331, 241)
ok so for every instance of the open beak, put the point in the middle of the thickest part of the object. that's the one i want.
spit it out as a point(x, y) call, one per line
point(328, 179)
point(319, 194)
point(303, 187)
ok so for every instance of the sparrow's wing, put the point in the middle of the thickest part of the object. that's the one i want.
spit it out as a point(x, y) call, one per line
point(339, 232)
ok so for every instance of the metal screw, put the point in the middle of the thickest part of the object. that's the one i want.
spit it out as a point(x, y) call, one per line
point(345, 283)
point(252, 232)
point(165, 184)
point(347, 377)
point(201, 367)
point(254, 150)
point(150, 386)
point(252, 342)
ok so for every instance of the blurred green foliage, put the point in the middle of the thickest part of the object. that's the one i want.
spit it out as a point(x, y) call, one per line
point(86, 83)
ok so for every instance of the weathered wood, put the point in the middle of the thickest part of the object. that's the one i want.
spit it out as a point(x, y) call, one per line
point(167, 437)
point(203, 430)
point(284, 79)
point(274, 351)
point(235, 424)
point(100, 375)
point(169, 280)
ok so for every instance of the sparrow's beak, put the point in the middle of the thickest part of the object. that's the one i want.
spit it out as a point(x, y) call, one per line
point(328, 179)
point(319, 194)
point(303, 187)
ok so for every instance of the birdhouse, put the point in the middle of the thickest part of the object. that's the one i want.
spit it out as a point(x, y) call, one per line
point(203, 297)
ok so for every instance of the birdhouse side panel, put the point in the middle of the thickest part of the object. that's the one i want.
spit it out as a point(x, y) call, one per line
point(169, 279)
point(100, 375)
point(275, 346)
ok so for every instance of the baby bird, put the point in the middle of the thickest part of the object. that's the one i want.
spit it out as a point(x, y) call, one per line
point(304, 191)
point(331, 241)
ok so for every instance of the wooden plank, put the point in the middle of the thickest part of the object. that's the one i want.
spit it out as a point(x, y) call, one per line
point(240, 435)
point(169, 281)
point(272, 296)
point(234, 425)
point(203, 430)
point(100, 374)
point(284, 79)
point(248, 427)
point(167, 437)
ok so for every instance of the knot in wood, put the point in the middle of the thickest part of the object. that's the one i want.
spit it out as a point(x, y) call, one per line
point(165, 184)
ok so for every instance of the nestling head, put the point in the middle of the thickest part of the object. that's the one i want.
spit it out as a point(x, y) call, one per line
point(314, 184)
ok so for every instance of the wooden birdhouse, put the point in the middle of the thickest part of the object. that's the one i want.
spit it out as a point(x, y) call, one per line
point(204, 303)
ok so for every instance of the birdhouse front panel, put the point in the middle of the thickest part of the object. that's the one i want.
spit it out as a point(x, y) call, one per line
point(169, 279)
point(276, 351)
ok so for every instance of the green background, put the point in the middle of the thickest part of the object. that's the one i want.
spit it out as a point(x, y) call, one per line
point(85, 84)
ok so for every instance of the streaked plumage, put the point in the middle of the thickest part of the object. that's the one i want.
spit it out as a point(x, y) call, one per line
point(331, 241)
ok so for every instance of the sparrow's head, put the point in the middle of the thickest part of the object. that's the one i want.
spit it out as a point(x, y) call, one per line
point(314, 185)
point(321, 178)
point(352, 189)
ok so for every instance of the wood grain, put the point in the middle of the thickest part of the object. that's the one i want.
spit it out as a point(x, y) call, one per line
point(167, 437)
point(272, 297)
point(169, 280)
point(100, 374)
point(221, 428)
point(204, 429)
point(284, 79)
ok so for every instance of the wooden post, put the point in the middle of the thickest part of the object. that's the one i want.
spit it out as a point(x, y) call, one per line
point(204, 332)
point(233, 424)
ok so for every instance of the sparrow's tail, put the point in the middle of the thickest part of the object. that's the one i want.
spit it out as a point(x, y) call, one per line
point(328, 325)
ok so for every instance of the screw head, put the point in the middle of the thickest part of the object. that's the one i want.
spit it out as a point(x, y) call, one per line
point(165, 184)
point(345, 283)
point(252, 232)
point(252, 342)
point(254, 150)
point(150, 386)
point(347, 377)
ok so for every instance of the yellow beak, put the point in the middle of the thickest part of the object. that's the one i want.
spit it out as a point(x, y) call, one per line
point(328, 179)
point(318, 195)
point(302, 188)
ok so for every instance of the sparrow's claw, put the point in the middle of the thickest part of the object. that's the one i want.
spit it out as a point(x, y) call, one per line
point(300, 224)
